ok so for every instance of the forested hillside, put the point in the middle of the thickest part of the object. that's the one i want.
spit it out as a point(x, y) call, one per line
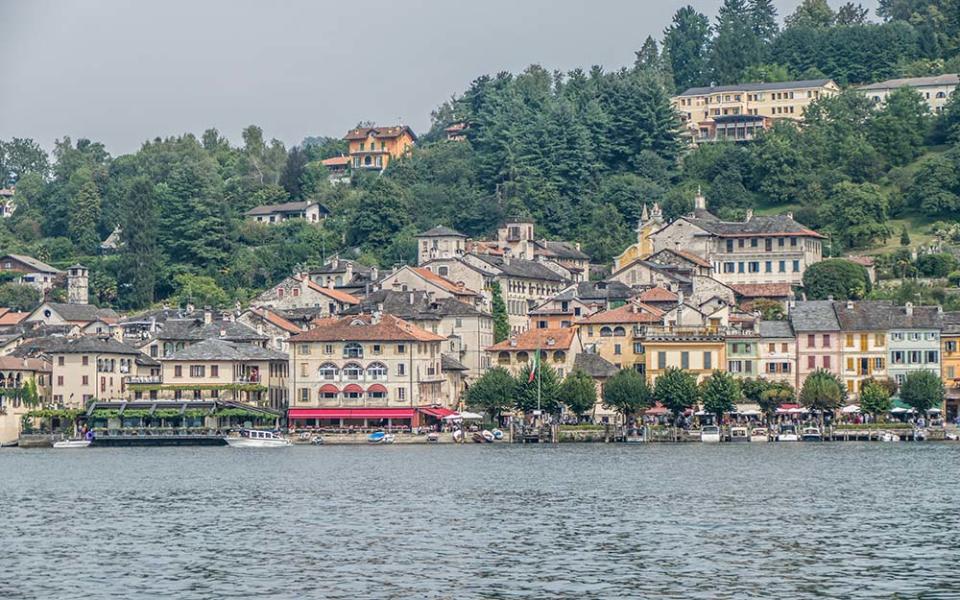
point(580, 151)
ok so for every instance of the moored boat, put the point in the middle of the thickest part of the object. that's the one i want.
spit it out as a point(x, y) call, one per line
point(710, 434)
point(488, 436)
point(887, 436)
point(497, 434)
point(478, 438)
point(739, 434)
point(62, 444)
point(433, 437)
point(256, 438)
point(811, 434)
point(634, 436)
point(788, 433)
point(458, 435)
point(759, 434)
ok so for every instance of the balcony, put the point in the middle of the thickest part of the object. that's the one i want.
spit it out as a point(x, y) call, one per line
point(147, 379)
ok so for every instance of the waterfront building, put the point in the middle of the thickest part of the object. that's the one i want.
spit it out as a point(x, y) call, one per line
point(15, 373)
point(217, 369)
point(300, 291)
point(818, 337)
point(759, 249)
point(616, 335)
point(712, 110)
point(175, 334)
point(695, 350)
point(936, 90)
point(363, 370)
point(778, 352)
point(33, 272)
point(310, 211)
point(743, 353)
point(372, 148)
point(864, 340)
point(950, 363)
point(557, 347)
point(84, 368)
point(467, 329)
point(914, 340)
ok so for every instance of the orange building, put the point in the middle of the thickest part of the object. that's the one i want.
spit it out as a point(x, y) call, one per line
point(373, 147)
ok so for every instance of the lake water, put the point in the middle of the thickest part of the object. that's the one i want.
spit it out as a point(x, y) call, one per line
point(838, 520)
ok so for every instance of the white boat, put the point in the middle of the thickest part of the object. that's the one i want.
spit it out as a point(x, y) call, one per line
point(739, 434)
point(389, 438)
point(488, 436)
point(811, 434)
point(255, 438)
point(886, 436)
point(497, 434)
point(788, 433)
point(759, 434)
point(72, 444)
point(710, 434)
point(634, 436)
point(458, 435)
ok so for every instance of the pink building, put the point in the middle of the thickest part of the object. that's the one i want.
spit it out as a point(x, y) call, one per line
point(818, 338)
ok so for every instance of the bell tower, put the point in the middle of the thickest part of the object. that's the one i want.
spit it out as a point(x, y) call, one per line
point(78, 284)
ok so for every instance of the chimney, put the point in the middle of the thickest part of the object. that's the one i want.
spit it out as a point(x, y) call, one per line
point(850, 304)
point(939, 310)
point(430, 296)
point(908, 309)
point(374, 274)
point(790, 214)
point(699, 201)
point(412, 298)
point(379, 307)
point(830, 298)
point(348, 276)
point(749, 214)
point(207, 315)
point(223, 333)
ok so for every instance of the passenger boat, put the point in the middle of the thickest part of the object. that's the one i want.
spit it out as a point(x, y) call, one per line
point(72, 444)
point(634, 436)
point(811, 434)
point(710, 434)
point(788, 433)
point(488, 436)
point(256, 438)
point(739, 434)
point(759, 434)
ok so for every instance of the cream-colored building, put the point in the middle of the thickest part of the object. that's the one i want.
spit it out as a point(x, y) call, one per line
point(15, 372)
point(88, 368)
point(778, 352)
point(698, 107)
point(558, 348)
point(936, 90)
point(367, 368)
point(222, 370)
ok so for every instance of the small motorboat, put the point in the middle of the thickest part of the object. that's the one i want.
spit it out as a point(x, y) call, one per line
point(458, 435)
point(634, 436)
point(497, 434)
point(72, 444)
point(788, 433)
point(316, 440)
point(478, 438)
point(433, 437)
point(759, 434)
point(739, 434)
point(919, 435)
point(256, 438)
point(887, 436)
point(811, 434)
point(710, 434)
point(488, 436)
point(381, 437)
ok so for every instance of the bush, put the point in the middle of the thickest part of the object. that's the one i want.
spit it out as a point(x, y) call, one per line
point(836, 277)
point(936, 265)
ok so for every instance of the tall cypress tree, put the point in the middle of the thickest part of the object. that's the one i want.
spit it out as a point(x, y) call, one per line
point(84, 215)
point(140, 257)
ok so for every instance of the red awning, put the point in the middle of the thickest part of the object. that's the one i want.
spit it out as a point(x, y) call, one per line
point(329, 388)
point(377, 388)
point(436, 411)
point(656, 410)
point(353, 388)
point(350, 413)
point(788, 406)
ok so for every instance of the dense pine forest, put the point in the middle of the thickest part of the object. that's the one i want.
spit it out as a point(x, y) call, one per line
point(579, 151)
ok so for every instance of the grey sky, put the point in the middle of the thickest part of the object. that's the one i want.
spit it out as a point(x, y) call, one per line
point(121, 72)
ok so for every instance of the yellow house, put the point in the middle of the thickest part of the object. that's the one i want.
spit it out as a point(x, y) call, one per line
point(648, 223)
point(950, 363)
point(614, 334)
point(374, 147)
point(696, 353)
point(863, 341)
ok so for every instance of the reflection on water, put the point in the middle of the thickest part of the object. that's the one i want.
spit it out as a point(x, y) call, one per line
point(572, 521)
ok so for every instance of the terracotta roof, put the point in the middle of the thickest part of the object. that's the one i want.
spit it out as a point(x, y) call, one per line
point(13, 363)
point(364, 328)
point(9, 317)
point(336, 161)
point(442, 282)
point(538, 339)
point(658, 294)
point(761, 290)
point(337, 295)
point(380, 133)
point(628, 313)
point(275, 319)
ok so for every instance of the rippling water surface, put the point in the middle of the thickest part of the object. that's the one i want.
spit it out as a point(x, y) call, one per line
point(836, 520)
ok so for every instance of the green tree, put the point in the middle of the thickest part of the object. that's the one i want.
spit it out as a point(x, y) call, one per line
point(811, 13)
point(293, 172)
point(822, 391)
point(492, 393)
point(627, 393)
point(140, 258)
point(547, 382)
point(200, 290)
point(736, 46)
point(936, 265)
point(19, 297)
point(899, 129)
point(720, 393)
point(922, 390)
point(19, 157)
point(875, 400)
point(773, 396)
point(685, 40)
point(836, 277)
point(857, 213)
point(501, 321)
point(677, 390)
point(578, 393)
point(904, 236)
point(84, 216)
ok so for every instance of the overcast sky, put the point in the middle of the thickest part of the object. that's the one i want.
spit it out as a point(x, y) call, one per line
point(121, 72)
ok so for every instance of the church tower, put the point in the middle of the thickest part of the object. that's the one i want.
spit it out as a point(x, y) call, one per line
point(78, 283)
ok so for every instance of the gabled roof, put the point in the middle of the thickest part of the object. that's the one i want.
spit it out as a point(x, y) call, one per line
point(380, 133)
point(449, 363)
point(688, 256)
point(413, 305)
point(628, 313)
point(776, 329)
point(757, 87)
point(755, 226)
point(274, 319)
point(338, 295)
point(442, 282)
point(195, 329)
point(336, 161)
point(217, 349)
point(441, 231)
point(561, 249)
point(762, 290)
point(521, 268)
point(814, 315)
point(892, 84)
point(588, 291)
point(33, 263)
point(14, 363)
point(10, 317)
point(87, 345)
point(286, 207)
point(883, 315)
point(594, 365)
point(538, 339)
point(366, 328)
point(657, 294)
point(80, 312)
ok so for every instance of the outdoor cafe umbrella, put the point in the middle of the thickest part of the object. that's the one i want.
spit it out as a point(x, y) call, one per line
point(849, 409)
point(464, 416)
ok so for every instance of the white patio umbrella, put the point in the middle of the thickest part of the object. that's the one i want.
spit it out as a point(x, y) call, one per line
point(464, 416)
point(849, 409)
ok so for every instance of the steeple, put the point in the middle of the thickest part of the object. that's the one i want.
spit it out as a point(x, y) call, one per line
point(656, 215)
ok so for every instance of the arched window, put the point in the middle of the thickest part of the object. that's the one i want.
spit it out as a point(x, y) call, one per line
point(619, 331)
point(353, 350)
point(941, 95)
point(605, 331)
point(559, 356)
point(376, 371)
point(352, 372)
point(328, 371)
point(522, 357)
point(503, 358)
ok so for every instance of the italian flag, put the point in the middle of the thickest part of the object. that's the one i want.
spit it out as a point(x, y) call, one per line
point(535, 367)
